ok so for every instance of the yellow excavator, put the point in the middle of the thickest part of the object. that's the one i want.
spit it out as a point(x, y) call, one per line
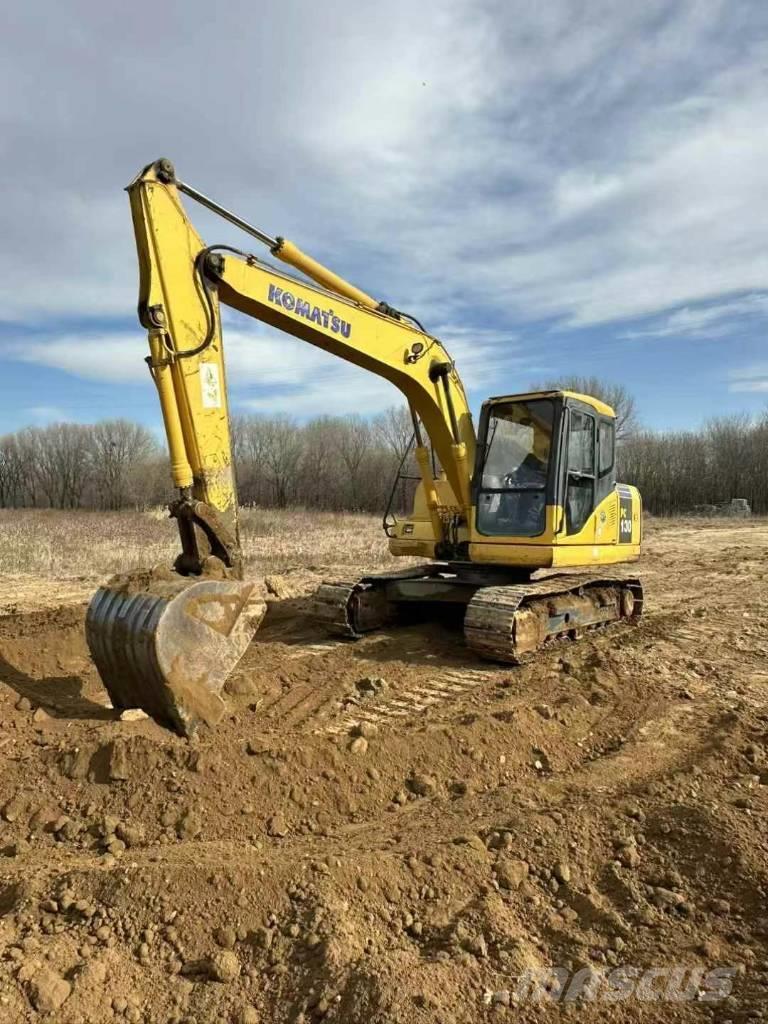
point(534, 487)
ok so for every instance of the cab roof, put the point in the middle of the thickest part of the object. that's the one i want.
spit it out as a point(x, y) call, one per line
point(600, 407)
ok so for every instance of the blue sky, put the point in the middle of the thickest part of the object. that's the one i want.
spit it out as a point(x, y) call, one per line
point(569, 187)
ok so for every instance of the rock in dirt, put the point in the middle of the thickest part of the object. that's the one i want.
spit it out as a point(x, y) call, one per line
point(277, 826)
point(109, 826)
point(511, 873)
point(117, 753)
point(474, 944)
point(422, 785)
point(223, 966)
point(12, 810)
point(131, 835)
point(562, 872)
point(359, 745)
point(240, 686)
point(629, 856)
point(225, 937)
point(133, 715)
point(370, 686)
point(365, 729)
point(247, 1015)
point(667, 899)
point(48, 991)
point(76, 763)
point(188, 826)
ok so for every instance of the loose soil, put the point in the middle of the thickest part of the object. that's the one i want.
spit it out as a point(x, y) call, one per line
point(391, 830)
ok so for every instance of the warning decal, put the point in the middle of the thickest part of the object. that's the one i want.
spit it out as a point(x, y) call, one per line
point(210, 386)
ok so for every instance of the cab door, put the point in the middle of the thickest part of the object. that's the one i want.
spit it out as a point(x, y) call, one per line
point(581, 476)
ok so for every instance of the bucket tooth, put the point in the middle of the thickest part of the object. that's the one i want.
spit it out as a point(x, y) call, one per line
point(168, 647)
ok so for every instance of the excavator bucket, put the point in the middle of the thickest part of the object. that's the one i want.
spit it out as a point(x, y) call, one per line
point(168, 644)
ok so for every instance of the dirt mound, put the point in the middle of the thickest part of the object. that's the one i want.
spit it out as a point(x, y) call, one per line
point(394, 831)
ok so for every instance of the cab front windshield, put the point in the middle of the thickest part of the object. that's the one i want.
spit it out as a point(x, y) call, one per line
point(512, 493)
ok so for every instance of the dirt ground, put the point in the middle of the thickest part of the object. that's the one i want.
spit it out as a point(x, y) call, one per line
point(393, 831)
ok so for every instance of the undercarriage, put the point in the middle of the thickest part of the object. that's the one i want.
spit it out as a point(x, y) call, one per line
point(506, 616)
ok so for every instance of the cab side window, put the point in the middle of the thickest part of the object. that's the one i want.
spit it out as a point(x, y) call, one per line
point(606, 459)
point(580, 492)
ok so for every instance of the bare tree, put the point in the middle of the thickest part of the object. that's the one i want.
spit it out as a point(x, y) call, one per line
point(59, 457)
point(28, 441)
point(729, 441)
point(249, 446)
point(118, 449)
point(282, 456)
point(354, 446)
point(394, 428)
point(13, 472)
point(320, 473)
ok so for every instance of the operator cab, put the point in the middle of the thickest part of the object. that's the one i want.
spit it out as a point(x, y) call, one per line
point(553, 448)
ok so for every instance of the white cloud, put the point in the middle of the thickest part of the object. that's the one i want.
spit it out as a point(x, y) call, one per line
point(752, 379)
point(267, 371)
point(42, 414)
point(718, 320)
point(264, 358)
point(347, 391)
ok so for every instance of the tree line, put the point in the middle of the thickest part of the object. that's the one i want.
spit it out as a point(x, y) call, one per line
point(350, 463)
point(108, 465)
point(677, 471)
point(330, 463)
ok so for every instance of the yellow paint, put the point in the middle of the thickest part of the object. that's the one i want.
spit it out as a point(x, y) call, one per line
point(167, 245)
point(600, 407)
point(291, 254)
point(181, 471)
point(431, 497)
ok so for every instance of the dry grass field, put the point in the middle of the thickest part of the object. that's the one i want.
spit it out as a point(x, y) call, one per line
point(62, 544)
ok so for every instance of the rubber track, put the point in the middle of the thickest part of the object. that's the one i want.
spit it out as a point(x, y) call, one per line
point(330, 606)
point(489, 620)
